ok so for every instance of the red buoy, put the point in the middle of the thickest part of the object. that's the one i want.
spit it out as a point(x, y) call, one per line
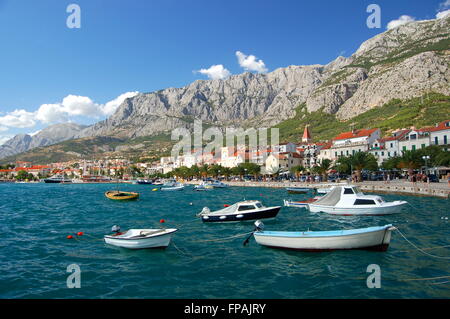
point(69, 237)
point(80, 233)
point(162, 221)
point(226, 205)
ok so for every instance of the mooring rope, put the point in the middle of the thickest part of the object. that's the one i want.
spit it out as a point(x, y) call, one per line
point(418, 248)
point(222, 239)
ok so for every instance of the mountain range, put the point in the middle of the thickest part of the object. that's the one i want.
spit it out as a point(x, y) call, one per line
point(401, 63)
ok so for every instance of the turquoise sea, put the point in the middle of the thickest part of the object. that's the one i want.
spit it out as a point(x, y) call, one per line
point(35, 220)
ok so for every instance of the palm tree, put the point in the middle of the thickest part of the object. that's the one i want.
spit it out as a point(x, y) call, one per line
point(357, 162)
point(410, 160)
point(297, 170)
point(324, 167)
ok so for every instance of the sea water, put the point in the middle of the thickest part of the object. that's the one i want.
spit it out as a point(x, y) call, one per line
point(35, 220)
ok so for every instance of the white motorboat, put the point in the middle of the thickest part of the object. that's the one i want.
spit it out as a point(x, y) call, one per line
point(349, 200)
point(218, 184)
point(174, 187)
point(245, 210)
point(203, 187)
point(140, 238)
point(370, 238)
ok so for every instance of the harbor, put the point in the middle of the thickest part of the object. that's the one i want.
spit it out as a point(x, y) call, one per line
point(207, 260)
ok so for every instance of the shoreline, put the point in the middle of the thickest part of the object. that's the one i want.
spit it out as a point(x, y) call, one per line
point(394, 187)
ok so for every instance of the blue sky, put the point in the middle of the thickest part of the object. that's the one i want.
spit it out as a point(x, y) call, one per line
point(146, 45)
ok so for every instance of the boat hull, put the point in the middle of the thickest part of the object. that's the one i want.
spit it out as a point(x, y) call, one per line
point(154, 242)
point(350, 211)
point(377, 239)
point(271, 212)
point(291, 190)
point(129, 195)
point(172, 189)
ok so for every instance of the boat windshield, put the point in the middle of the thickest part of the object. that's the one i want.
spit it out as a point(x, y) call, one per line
point(357, 190)
point(259, 205)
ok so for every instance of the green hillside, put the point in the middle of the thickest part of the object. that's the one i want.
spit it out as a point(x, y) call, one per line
point(419, 112)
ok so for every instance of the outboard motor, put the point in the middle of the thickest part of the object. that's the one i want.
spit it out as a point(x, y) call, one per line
point(115, 229)
point(259, 226)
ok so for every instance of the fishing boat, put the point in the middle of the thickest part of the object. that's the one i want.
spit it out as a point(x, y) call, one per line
point(349, 200)
point(172, 187)
point(370, 238)
point(244, 210)
point(297, 190)
point(140, 238)
point(301, 203)
point(57, 179)
point(323, 190)
point(119, 195)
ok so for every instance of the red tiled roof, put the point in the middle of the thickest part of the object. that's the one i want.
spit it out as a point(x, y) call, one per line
point(355, 134)
point(440, 127)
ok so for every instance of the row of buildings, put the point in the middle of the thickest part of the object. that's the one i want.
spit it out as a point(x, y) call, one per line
point(275, 158)
point(284, 156)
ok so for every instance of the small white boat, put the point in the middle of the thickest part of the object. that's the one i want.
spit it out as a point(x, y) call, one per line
point(175, 187)
point(141, 238)
point(370, 238)
point(349, 200)
point(245, 210)
point(218, 184)
point(203, 187)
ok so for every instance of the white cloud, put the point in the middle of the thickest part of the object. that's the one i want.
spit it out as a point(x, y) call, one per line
point(442, 14)
point(75, 105)
point(51, 113)
point(404, 19)
point(249, 63)
point(71, 105)
point(18, 119)
point(3, 128)
point(216, 72)
point(110, 107)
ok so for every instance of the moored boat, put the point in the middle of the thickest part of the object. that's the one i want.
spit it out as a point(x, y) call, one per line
point(120, 195)
point(297, 190)
point(349, 200)
point(140, 238)
point(370, 238)
point(174, 187)
point(57, 179)
point(144, 182)
point(203, 187)
point(245, 210)
point(218, 184)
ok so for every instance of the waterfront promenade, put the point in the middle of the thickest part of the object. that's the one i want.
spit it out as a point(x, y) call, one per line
point(441, 189)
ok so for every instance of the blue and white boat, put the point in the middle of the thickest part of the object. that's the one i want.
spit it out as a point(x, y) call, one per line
point(370, 238)
point(297, 190)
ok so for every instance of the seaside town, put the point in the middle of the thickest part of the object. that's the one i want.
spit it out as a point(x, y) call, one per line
point(418, 154)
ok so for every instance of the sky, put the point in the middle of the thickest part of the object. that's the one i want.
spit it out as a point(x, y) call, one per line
point(53, 72)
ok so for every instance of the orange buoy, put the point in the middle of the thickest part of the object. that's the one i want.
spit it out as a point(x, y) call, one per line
point(69, 237)
point(80, 233)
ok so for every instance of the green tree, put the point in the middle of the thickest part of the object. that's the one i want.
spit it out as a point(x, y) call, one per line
point(297, 171)
point(411, 160)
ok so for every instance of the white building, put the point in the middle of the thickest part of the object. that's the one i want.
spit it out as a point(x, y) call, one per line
point(349, 143)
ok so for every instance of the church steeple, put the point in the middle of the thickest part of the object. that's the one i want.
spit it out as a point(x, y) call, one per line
point(306, 135)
